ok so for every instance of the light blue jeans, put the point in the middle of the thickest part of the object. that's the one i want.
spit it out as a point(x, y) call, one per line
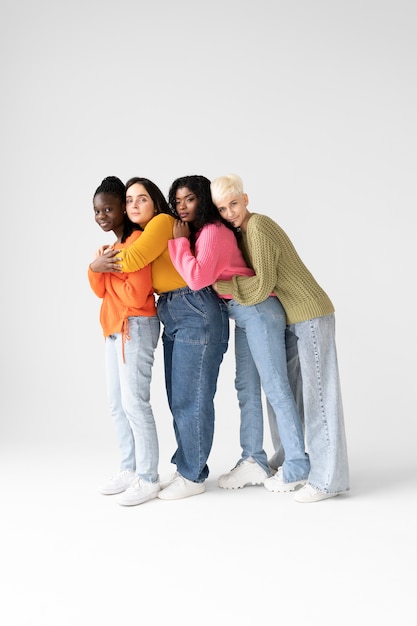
point(314, 377)
point(195, 338)
point(261, 362)
point(128, 389)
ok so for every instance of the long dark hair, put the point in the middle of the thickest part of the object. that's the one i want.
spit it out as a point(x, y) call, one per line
point(157, 197)
point(207, 212)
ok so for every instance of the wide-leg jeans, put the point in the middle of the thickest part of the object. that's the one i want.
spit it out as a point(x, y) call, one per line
point(261, 361)
point(316, 372)
point(128, 372)
point(195, 337)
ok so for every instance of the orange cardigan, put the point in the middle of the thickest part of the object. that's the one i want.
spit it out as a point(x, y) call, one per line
point(124, 295)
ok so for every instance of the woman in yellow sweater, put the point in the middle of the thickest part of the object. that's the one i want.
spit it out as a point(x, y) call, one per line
point(311, 339)
point(131, 330)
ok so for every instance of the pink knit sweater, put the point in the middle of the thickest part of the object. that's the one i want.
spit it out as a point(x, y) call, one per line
point(217, 257)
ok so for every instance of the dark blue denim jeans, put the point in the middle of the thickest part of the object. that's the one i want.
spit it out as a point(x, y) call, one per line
point(195, 338)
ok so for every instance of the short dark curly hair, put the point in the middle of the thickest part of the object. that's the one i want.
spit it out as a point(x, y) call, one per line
point(114, 186)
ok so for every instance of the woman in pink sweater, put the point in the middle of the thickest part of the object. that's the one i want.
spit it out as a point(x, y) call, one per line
point(202, 250)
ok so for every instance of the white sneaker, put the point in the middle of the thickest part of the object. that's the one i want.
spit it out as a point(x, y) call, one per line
point(248, 472)
point(169, 481)
point(117, 483)
point(310, 494)
point(181, 487)
point(139, 491)
point(277, 484)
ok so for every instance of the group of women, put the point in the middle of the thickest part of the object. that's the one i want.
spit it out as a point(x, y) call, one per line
point(208, 259)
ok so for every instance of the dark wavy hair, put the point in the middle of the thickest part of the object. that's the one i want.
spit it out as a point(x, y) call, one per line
point(158, 198)
point(207, 212)
point(114, 186)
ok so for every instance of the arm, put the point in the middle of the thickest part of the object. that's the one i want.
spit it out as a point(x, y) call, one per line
point(132, 289)
point(254, 289)
point(211, 257)
point(97, 282)
point(150, 245)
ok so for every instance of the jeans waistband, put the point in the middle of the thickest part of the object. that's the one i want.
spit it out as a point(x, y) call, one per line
point(183, 290)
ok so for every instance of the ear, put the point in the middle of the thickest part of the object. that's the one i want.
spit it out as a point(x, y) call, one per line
point(246, 199)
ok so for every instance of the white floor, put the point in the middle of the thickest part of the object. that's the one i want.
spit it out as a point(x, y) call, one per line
point(70, 556)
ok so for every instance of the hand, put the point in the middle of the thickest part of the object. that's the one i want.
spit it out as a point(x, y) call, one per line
point(181, 229)
point(107, 261)
point(214, 285)
point(102, 250)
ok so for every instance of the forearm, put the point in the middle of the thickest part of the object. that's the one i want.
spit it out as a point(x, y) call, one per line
point(150, 245)
point(97, 282)
point(247, 290)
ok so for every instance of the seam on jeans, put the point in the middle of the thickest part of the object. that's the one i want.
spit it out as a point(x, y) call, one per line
point(320, 390)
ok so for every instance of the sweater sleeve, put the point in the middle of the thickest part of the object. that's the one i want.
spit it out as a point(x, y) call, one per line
point(254, 289)
point(132, 289)
point(97, 283)
point(150, 245)
point(211, 255)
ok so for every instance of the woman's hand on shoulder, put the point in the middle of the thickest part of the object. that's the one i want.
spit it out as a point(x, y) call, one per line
point(106, 261)
point(102, 250)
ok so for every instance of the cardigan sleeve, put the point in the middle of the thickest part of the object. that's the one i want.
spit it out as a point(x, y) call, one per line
point(254, 289)
point(97, 282)
point(133, 289)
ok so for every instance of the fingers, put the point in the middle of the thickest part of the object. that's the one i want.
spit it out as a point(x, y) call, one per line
point(111, 252)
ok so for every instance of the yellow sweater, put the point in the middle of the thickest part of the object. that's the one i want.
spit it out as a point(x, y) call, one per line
point(152, 247)
point(278, 269)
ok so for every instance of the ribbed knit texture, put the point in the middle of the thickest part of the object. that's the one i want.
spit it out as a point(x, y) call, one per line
point(124, 295)
point(278, 269)
point(152, 247)
point(217, 256)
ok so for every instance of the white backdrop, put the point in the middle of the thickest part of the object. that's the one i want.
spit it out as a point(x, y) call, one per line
point(312, 102)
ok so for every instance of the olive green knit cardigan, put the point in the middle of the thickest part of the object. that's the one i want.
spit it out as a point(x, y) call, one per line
point(278, 269)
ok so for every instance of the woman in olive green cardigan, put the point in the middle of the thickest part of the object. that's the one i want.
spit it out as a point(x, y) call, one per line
point(310, 332)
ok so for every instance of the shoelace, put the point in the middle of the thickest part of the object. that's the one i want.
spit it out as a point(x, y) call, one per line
point(120, 474)
point(310, 489)
point(136, 483)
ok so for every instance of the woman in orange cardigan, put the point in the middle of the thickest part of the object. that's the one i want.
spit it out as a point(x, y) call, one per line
point(131, 330)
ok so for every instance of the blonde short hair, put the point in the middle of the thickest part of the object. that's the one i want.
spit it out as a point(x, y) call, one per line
point(223, 186)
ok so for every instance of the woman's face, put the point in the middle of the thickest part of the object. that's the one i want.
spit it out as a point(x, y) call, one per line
point(140, 207)
point(186, 204)
point(108, 211)
point(234, 209)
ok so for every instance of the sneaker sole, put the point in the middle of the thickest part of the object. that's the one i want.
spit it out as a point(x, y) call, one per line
point(248, 484)
point(178, 496)
point(317, 498)
point(140, 501)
